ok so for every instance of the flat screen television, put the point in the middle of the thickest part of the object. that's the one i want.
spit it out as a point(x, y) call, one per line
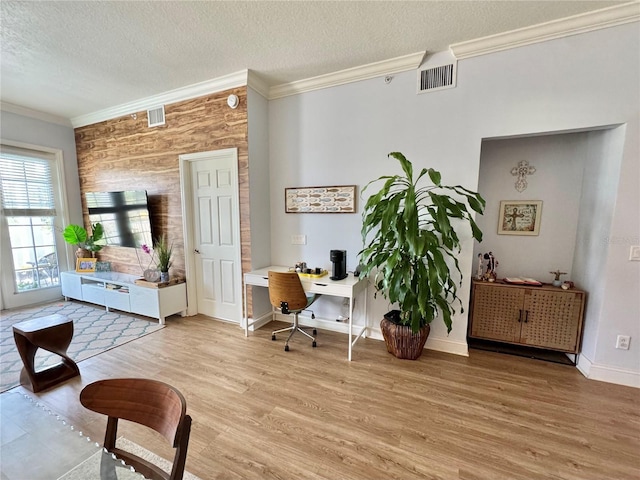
point(123, 215)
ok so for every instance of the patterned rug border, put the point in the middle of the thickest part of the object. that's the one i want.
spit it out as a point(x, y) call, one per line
point(82, 471)
point(95, 322)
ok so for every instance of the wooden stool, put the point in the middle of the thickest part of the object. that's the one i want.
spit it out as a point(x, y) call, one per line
point(52, 333)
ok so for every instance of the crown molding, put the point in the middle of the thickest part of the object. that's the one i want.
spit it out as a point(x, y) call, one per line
point(582, 23)
point(28, 112)
point(233, 80)
point(255, 82)
point(364, 72)
point(586, 22)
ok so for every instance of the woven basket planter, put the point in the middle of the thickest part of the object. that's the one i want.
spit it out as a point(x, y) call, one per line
point(401, 341)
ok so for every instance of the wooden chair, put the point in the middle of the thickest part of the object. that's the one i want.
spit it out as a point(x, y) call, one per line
point(147, 402)
point(287, 294)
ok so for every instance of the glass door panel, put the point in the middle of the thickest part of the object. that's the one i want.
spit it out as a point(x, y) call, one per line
point(33, 248)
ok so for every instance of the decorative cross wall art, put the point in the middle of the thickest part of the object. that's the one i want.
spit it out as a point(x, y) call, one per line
point(521, 171)
point(519, 217)
point(333, 199)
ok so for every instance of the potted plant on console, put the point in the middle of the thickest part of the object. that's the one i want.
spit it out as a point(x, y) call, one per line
point(77, 235)
point(164, 251)
point(409, 248)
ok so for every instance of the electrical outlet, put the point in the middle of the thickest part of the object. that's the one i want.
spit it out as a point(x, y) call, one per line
point(622, 342)
point(634, 253)
point(298, 239)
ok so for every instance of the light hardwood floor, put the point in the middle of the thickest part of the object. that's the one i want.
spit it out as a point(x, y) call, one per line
point(262, 413)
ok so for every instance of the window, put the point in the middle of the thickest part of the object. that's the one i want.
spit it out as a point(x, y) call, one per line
point(29, 210)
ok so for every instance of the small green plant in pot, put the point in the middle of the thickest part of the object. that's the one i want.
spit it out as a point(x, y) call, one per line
point(77, 235)
point(410, 247)
point(164, 251)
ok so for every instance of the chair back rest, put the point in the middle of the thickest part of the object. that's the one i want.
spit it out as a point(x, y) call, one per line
point(50, 259)
point(154, 404)
point(286, 287)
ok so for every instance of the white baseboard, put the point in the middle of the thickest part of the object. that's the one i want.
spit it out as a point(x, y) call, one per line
point(607, 374)
point(590, 370)
point(260, 322)
point(433, 343)
point(447, 346)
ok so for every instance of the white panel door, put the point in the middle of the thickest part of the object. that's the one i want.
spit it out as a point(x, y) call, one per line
point(217, 236)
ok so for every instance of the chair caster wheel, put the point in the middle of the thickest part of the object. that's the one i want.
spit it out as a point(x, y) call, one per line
point(314, 345)
point(273, 337)
point(315, 332)
point(286, 348)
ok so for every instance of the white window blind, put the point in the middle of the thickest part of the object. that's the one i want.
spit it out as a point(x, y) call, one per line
point(26, 185)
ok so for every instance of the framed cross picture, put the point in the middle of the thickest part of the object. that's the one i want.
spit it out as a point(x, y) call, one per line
point(519, 217)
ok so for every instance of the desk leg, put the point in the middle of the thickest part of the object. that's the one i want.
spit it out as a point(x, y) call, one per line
point(246, 314)
point(350, 325)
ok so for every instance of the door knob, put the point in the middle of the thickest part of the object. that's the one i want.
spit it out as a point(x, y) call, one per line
point(197, 251)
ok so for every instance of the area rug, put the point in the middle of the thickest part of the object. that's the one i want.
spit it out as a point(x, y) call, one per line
point(95, 331)
point(91, 465)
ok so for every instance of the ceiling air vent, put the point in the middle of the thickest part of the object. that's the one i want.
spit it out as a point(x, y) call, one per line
point(437, 78)
point(155, 116)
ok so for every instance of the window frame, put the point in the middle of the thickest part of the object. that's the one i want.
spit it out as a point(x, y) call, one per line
point(9, 298)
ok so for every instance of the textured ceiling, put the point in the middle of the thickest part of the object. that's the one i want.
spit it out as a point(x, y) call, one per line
point(75, 58)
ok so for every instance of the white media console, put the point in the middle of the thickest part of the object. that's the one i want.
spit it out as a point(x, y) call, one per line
point(119, 291)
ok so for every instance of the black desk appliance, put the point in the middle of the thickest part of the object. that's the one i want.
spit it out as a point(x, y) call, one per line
point(339, 260)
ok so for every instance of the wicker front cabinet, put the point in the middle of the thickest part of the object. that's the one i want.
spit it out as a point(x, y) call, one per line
point(544, 317)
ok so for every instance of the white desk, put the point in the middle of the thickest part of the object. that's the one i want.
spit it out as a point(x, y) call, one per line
point(349, 288)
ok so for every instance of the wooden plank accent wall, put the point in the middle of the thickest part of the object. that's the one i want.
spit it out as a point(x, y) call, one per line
point(125, 154)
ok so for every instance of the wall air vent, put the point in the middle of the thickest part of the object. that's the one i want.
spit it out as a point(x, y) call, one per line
point(155, 116)
point(437, 78)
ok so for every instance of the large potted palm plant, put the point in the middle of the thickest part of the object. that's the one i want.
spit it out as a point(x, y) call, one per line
point(409, 251)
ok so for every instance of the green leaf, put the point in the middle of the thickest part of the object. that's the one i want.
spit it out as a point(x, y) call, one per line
point(74, 234)
point(97, 232)
point(435, 176)
point(407, 167)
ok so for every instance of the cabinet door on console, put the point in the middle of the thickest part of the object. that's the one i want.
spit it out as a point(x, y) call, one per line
point(496, 312)
point(71, 285)
point(553, 319)
point(144, 301)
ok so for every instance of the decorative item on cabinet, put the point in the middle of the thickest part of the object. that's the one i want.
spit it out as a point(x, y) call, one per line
point(164, 251)
point(86, 265)
point(491, 273)
point(151, 275)
point(557, 282)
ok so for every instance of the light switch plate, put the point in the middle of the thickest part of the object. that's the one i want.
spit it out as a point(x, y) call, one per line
point(298, 239)
point(634, 253)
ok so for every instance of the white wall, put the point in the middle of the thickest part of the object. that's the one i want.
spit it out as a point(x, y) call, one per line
point(258, 133)
point(341, 135)
point(598, 202)
point(258, 136)
point(557, 182)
